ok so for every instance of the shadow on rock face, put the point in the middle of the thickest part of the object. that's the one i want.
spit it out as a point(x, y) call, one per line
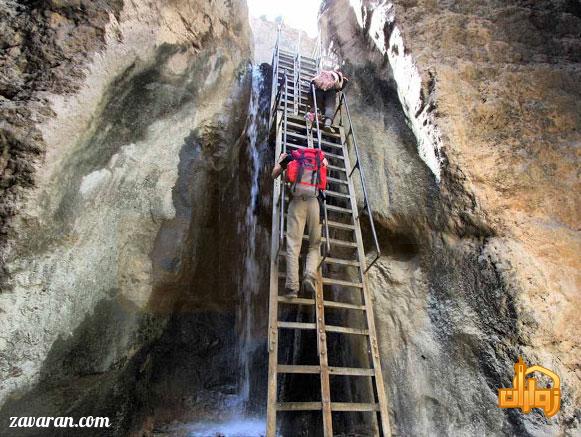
point(175, 356)
point(84, 375)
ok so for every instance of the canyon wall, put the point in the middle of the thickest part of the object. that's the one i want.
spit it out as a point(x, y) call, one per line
point(264, 33)
point(121, 130)
point(467, 115)
point(125, 189)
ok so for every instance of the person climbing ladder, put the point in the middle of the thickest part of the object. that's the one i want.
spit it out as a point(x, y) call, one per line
point(306, 172)
point(327, 84)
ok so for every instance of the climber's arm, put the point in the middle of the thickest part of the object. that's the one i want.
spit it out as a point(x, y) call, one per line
point(276, 171)
point(280, 165)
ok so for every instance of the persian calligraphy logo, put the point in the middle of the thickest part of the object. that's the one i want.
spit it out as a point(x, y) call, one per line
point(525, 394)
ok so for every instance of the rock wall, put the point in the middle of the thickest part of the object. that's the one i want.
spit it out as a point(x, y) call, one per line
point(467, 114)
point(264, 34)
point(120, 147)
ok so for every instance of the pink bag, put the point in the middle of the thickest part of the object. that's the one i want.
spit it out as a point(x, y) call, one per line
point(325, 80)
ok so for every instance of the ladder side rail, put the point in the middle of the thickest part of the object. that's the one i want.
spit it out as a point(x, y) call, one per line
point(367, 301)
point(271, 409)
point(276, 102)
point(320, 309)
point(366, 205)
point(338, 110)
point(283, 150)
point(298, 90)
point(274, 80)
point(327, 243)
point(295, 78)
point(326, 404)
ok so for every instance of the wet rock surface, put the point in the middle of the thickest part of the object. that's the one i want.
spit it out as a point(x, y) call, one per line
point(125, 184)
point(472, 111)
point(121, 149)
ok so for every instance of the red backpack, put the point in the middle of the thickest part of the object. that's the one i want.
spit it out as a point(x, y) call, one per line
point(307, 172)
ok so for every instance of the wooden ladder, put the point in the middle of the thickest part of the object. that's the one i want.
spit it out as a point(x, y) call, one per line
point(342, 272)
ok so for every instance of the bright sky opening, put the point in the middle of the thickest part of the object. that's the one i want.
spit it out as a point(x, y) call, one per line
point(300, 14)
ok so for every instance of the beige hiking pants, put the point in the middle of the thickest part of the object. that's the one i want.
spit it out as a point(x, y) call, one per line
point(302, 210)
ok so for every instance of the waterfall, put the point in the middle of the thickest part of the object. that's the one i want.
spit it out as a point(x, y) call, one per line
point(241, 417)
point(251, 273)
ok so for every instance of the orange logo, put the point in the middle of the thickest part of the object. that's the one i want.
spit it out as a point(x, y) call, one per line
point(525, 394)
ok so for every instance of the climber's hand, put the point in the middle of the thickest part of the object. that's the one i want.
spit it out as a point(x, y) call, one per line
point(282, 157)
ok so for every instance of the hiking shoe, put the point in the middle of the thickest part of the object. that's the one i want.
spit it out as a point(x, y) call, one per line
point(291, 294)
point(327, 123)
point(309, 284)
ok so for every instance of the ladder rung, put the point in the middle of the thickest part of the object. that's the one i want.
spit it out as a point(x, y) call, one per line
point(341, 243)
point(331, 223)
point(344, 330)
point(296, 301)
point(295, 368)
point(351, 371)
point(334, 167)
point(344, 262)
point(327, 143)
point(334, 241)
point(291, 102)
point(286, 52)
point(306, 67)
point(342, 305)
point(349, 406)
point(323, 133)
point(330, 134)
point(291, 86)
point(300, 126)
point(298, 118)
point(301, 406)
point(339, 225)
point(292, 96)
point(329, 260)
point(337, 194)
point(327, 154)
point(305, 63)
point(297, 325)
point(326, 281)
point(337, 181)
point(330, 281)
point(293, 93)
point(327, 303)
point(338, 208)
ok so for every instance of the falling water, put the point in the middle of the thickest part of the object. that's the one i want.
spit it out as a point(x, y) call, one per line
point(239, 420)
point(251, 274)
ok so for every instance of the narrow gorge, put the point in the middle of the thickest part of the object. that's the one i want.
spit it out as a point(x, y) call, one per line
point(136, 200)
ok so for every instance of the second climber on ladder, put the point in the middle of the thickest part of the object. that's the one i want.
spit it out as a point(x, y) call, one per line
point(306, 172)
point(327, 84)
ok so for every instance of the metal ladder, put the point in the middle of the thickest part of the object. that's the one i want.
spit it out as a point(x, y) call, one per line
point(341, 283)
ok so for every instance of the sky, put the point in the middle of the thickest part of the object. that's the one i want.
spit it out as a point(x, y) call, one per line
point(300, 14)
